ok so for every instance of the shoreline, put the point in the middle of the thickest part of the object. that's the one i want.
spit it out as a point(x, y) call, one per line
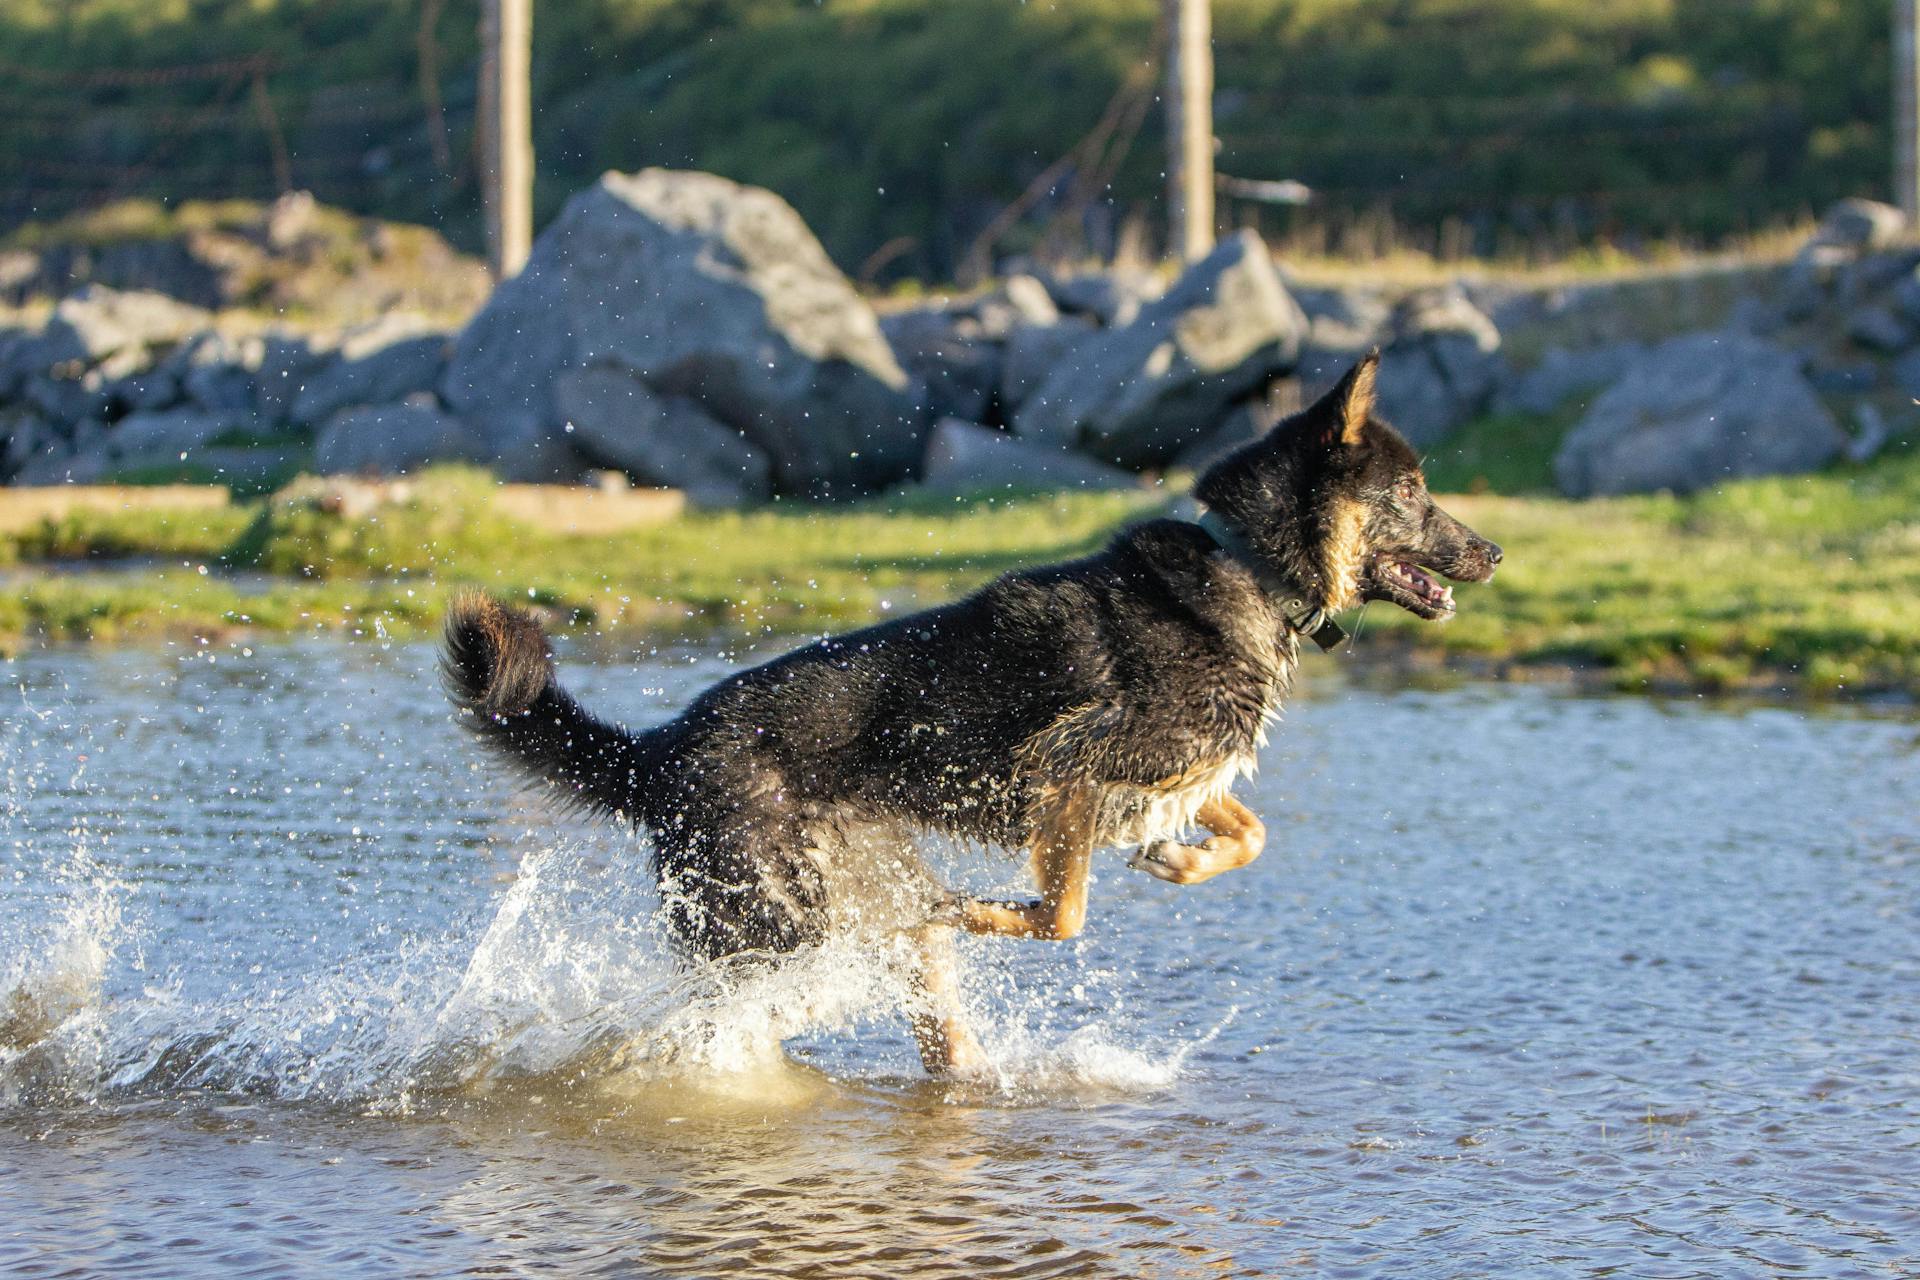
point(1804, 588)
point(1397, 658)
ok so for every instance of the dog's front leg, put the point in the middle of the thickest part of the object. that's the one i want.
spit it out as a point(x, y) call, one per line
point(1238, 837)
point(1062, 852)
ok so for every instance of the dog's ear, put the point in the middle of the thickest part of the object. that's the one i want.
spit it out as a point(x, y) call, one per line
point(1340, 416)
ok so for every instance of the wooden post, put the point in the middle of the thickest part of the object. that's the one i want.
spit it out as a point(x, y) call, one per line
point(506, 131)
point(1906, 112)
point(1190, 128)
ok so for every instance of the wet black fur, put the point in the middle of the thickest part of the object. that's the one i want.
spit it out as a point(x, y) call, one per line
point(1156, 655)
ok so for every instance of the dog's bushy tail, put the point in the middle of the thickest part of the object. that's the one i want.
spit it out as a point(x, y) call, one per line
point(497, 667)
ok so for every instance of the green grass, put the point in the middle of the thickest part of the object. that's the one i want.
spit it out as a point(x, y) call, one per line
point(1811, 584)
point(1509, 454)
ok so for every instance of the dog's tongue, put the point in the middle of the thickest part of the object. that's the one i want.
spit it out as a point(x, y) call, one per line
point(1427, 587)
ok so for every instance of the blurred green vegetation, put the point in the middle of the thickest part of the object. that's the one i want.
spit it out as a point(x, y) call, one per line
point(1497, 127)
point(1807, 584)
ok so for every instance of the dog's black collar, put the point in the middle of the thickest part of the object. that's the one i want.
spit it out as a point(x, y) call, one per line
point(1288, 596)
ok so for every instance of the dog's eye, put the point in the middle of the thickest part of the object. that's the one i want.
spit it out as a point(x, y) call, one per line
point(1407, 490)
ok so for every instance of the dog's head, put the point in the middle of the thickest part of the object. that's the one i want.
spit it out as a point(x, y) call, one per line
point(1335, 499)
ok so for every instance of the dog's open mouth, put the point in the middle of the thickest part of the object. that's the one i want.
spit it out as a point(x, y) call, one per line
point(1412, 587)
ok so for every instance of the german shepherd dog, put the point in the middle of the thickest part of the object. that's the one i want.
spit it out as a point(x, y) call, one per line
point(1112, 700)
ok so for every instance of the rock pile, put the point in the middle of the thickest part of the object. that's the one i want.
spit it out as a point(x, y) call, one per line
point(691, 332)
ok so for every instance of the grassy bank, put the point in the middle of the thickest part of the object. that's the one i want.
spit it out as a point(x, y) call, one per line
point(1810, 584)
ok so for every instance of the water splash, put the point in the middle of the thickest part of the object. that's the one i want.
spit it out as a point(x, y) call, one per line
point(561, 979)
point(567, 981)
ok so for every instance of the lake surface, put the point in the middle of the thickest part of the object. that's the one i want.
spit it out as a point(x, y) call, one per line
point(293, 983)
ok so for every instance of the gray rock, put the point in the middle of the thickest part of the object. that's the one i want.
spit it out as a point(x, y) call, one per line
point(1808, 282)
point(17, 360)
point(1138, 394)
point(957, 369)
point(1871, 432)
point(95, 322)
point(707, 289)
point(1020, 300)
point(1871, 273)
point(378, 375)
point(64, 400)
point(22, 435)
point(1858, 224)
point(1348, 321)
point(1694, 411)
point(1243, 426)
point(63, 462)
point(141, 439)
point(1878, 329)
point(19, 273)
point(1442, 367)
point(287, 363)
point(1905, 297)
point(1111, 298)
point(1562, 375)
point(393, 438)
point(1906, 374)
point(664, 440)
point(219, 388)
point(156, 388)
point(216, 373)
point(1029, 299)
point(1843, 377)
point(963, 457)
point(1031, 354)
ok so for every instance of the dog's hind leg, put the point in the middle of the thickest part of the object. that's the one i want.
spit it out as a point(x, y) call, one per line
point(1062, 852)
point(1238, 837)
point(947, 1044)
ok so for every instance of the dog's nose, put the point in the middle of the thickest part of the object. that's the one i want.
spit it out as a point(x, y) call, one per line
point(1494, 553)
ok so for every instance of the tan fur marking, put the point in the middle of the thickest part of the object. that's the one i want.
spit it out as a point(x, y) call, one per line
point(1358, 405)
point(1238, 837)
point(947, 1045)
point(1342, 553)
point(1062, 853)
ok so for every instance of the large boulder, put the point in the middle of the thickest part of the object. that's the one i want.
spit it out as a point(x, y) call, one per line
point(1138, 394)
point(665, 440)
point(1032, 352)
point(390, 439)
point(1441, 368)
point(1694, 411)
point(963, 457)
point(383, 372)
point(705, 289)
point(1563, 374)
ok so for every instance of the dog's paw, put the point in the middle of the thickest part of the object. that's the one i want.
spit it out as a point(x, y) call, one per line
point(1174, 863)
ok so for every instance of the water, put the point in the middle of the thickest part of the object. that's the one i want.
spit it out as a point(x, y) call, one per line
point(292, 983)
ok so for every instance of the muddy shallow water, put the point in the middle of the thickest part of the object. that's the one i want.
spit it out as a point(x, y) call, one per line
point(292, 983)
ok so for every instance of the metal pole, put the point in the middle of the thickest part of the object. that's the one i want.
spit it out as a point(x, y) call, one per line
point(1190, 128)
point(506, 131)
point(1906, 112)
